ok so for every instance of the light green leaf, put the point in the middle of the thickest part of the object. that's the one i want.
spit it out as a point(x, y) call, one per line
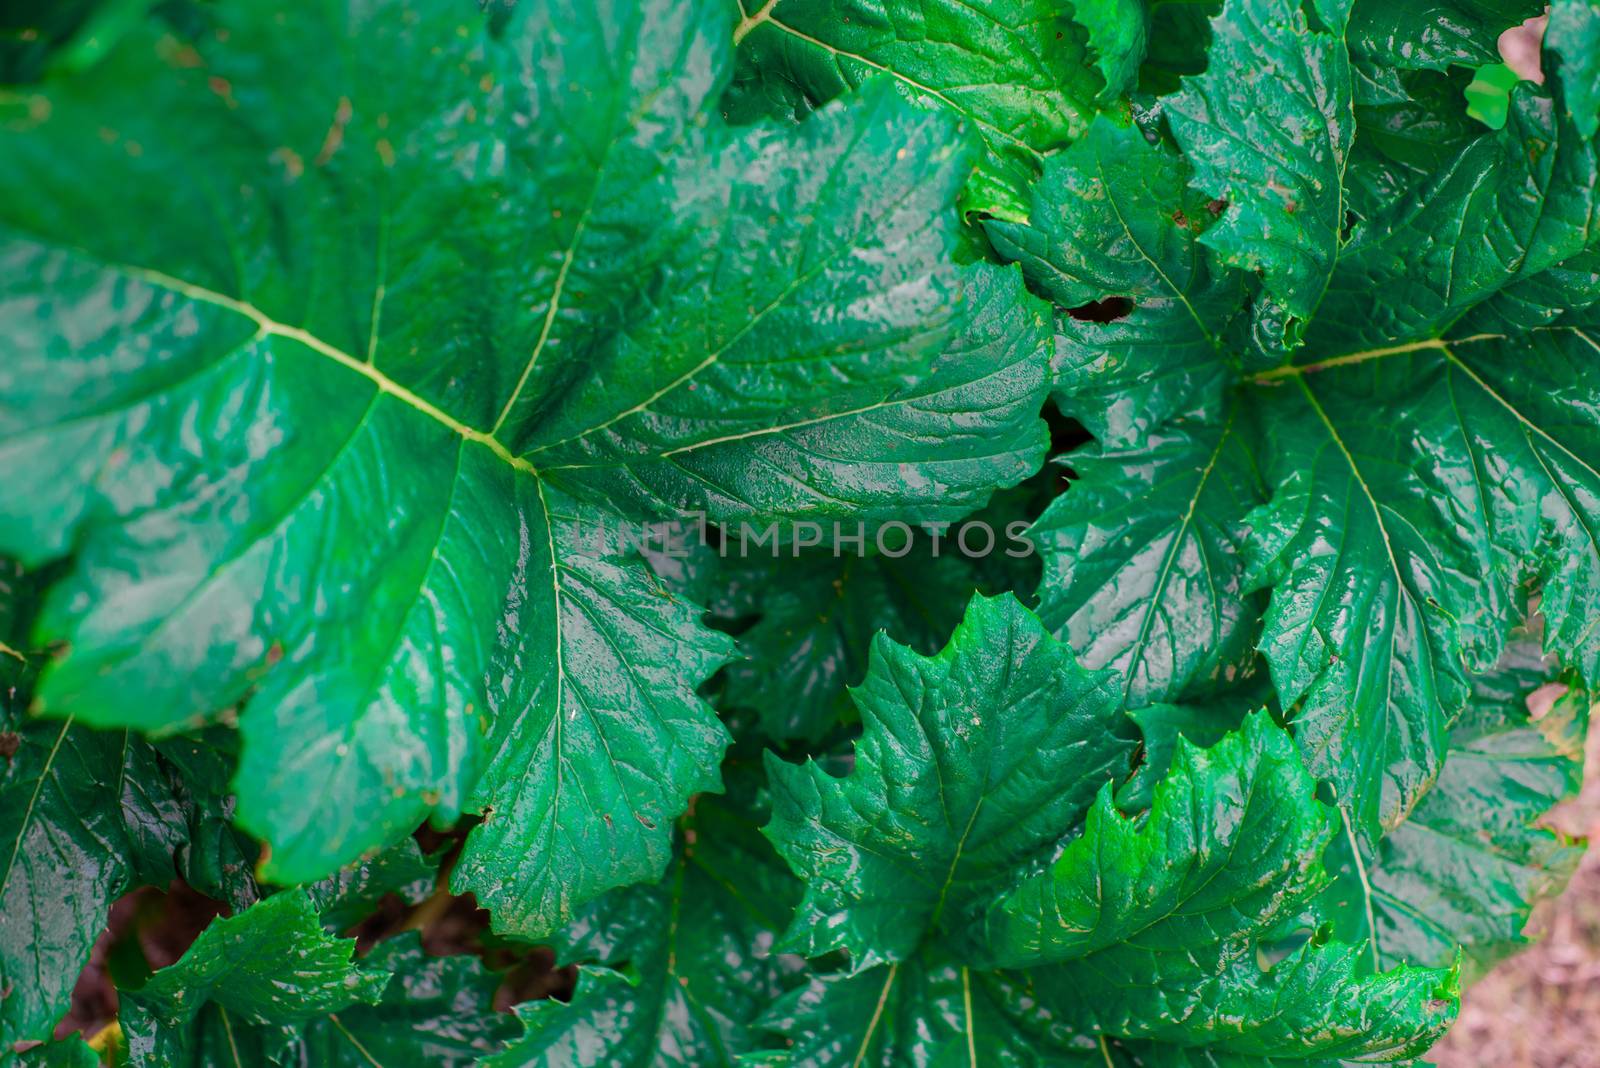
point(1233, 840)
point(1118, 32)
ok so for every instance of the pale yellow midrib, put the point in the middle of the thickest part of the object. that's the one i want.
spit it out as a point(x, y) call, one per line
point(271, 327)
point(1291, 370)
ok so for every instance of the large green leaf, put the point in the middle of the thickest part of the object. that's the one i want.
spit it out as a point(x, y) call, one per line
point(971, 763)
point(1138, 932)
point(924, 1011)
point(1427, 455)
point(1017, 70)
point(1502, 209)
point(1464, 872)
point(675, 973)
point(1234, 839)
point(407, 349)
point(1433, 34)
point(1167, 912)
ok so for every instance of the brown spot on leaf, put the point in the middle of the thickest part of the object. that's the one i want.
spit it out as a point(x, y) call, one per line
point(10, 742)
point(293, 165)
point(335, 135)
point(223, 88)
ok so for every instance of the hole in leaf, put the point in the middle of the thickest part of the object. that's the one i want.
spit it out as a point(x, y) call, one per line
point(1102, 311)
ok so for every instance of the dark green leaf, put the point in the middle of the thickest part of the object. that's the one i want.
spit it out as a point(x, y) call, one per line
point(971, 764)
point(500, 304)
point(681, 969)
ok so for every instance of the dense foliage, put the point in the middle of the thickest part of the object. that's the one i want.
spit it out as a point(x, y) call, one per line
point(350, 349)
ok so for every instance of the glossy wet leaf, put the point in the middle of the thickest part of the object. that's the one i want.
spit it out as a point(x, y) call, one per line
point(410, 414)
point(1574, 36)
point(1148, 930)
point(270, 966)
point(926, 1010)
point(88, 815)
point(971, 763)
point(1233, 839)
point(1433, 34)
point(1474, 858)
point(1139, 931)
point(1017, 71)
point(435, 1011)
point(1113, 217)
point(352, 893)
point(1268, 129)
point(1142, 561)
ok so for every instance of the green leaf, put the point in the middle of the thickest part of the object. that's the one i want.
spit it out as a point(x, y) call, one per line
point(502, 304)
point(1411, 125)
point(1574, 37)
point(1139, 933)
point(1401, 534)
point(681, 969)
point(1268, 128)
point(818, 613)
point(350, 894)
point(87, 815)
point(437, 1011)
point(1464, 872)
point(1233, 840)
point(72, 1052)
point(971, 763)
point(926, 1010)
point(1435, 34)
point(1143, 572)
point(1160, 920)
point(1509, 205)
point(1113, 217)
point(1118, 31)
point(272, 964)
point(1015, 70)
point(1202, 723)
point(1316, 1006)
